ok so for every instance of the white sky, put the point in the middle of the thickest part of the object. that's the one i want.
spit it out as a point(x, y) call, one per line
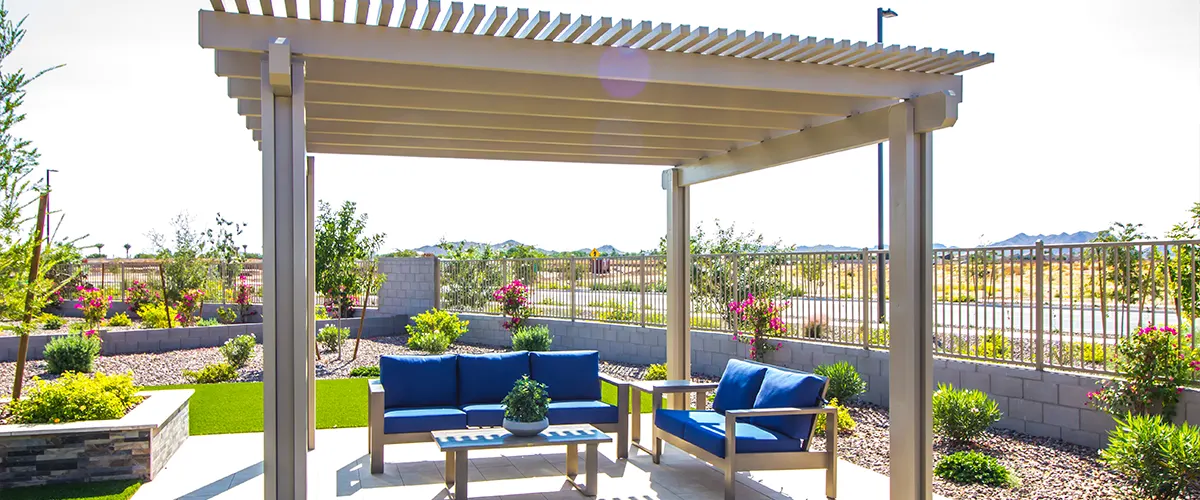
point(1090, 114)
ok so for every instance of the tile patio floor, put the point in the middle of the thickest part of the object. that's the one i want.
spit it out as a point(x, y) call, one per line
point(229, 466)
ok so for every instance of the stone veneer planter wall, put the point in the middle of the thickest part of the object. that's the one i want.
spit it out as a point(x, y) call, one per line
point(136, 446)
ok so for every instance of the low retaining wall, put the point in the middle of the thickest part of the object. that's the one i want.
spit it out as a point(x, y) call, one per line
point(1039, 403)
point(136, 446)
point(169, 339)
point(208, 310)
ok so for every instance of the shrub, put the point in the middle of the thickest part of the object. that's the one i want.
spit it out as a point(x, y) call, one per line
point(532, 338)
point(1155, 367)
point(993, 345)
point(974, 467)
point(759, 319)
point(845, 423)
point(1162, 459)
point(188, 308)
point(815, 328)
point(74, 397)
point(238, 350)
point(880, 335)
point(528, 401)
point(212, 374)
point(962, 414)
point(844, 382)
point(155, 316)
point(243, 295)
point(657, 371)
point(434, 330)
point(365, 371)
point(73, 353)
point(514, 303)
point(617, 312)
point(94, 304)
point(120, 319)
point(52, 323)
point(138, 295)
point(76, 327)
point(331, 337)
point(208, 322)
point(229, 316)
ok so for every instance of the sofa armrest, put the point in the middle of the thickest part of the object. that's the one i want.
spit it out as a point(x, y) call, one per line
point(775, 412)
point(375, 386)
point(613, 380)
point(683, 386)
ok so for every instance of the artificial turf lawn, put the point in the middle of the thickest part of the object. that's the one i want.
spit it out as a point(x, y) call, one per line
point(107, 490)
point(238, 407)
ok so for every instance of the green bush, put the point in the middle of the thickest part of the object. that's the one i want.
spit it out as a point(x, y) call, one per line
point(532, 338)
point(962, 414)
point(528, 401)
point(155, 316)
point(844, 382)
point(331, 337)
point(74, 397)
point(120, 319)
point(77, 327)
point(434, 330)
point(238, 350)
point(617, 312)
point(880, 335)
point(52, 322)
point(1162, 459)
point(212, 374)
point(974, 467)
point(657, 371)
point(365, 371)
point(73, 353)
point(815, 328)
point(845, 423)
point(229, 315)
point(208, 322)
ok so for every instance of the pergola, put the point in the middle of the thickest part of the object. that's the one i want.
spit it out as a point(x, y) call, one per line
point(432, 79)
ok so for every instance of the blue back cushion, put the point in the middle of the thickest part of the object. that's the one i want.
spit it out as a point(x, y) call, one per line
point(568, 375)
point(418, 381)
point(738, 386)
point(783, 389)
point(487, 378)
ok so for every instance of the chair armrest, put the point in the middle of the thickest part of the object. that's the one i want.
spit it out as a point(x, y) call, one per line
point(612, 380)
point(683, 386)
point(774, 412)
point(374, 386)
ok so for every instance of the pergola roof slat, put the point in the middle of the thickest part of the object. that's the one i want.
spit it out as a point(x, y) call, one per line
point(360, 12)
point(429, 17)
point(474, 17)
point(385, 12)
point(514, 24)
point(289, 9)
point(652, 37)
point(314, 10)
point(267, 8)
point(243, 7)
point(339, 10)
point(535, 26)
point(493, 22)
point(408, 12)
point(595, 31)
point(767, 44)
point(555, 27)
point(484, 155)
point(575, 30)
point(450, 19)
point(497, 146)
point(723, 43)
point(614, 32)
point(217, 5)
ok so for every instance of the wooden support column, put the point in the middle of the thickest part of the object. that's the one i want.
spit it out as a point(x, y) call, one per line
point(911, 248)
point(285, 406)
point(311, 294)
point(679, 263)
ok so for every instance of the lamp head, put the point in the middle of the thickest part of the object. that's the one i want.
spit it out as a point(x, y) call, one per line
point(887, 13)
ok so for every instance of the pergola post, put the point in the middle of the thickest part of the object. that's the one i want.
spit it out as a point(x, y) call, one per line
point(285, 396)
point(679, 263)
point(911, 371)
point(311, 293)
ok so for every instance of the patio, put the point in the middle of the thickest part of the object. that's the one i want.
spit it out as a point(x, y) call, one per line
point(229, 466)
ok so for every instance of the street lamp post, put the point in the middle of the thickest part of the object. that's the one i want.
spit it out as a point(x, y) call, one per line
point(881, 278)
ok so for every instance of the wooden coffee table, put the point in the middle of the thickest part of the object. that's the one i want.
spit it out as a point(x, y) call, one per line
point(457, 443)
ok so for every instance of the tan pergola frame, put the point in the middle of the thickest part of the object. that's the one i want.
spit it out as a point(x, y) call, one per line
point(399, 78)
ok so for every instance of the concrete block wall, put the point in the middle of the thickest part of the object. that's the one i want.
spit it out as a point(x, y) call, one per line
point(409, 289)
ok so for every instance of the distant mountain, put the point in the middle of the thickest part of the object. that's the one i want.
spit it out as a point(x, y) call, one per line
point(604, 249)
point(435, 250)
point(1061, 238)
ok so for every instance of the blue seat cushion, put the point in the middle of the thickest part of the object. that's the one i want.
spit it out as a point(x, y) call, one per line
point(484, 415)
point(404, 420)
point(487, 378)
point(568, 375)
point(582, 412)
point(782, 389)
point(738, 386)
point(706, 429)
point(419, 381)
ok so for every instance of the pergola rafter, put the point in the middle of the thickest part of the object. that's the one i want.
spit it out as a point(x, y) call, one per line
point(427, 79)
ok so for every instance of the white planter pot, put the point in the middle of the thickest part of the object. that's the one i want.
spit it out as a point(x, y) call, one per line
point(525, 429)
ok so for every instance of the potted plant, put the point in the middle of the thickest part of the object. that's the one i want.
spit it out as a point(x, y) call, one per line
point(525, 408)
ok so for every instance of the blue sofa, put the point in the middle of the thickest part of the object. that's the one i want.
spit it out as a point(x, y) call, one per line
point(418, 394)
point(762, 419)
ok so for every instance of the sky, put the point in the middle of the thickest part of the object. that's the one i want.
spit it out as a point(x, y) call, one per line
point(1089, 115)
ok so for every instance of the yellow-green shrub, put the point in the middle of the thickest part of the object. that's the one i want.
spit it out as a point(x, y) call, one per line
point(75, 397)
point(155, 316)
point(657, 371)
point(845, 423)
point(120, 319)
point(212, 374)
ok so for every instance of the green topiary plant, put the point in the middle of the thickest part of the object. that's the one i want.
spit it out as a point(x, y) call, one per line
point(532, 338)
point(844, 382)
point(238, 350)
point(962, 414)
point(52, 322)
point(331, 337)
point(208, 322)
point(845, 423)
point(528, 401)
point(120, 319)
point(1162, 459)
point(365, 371)
point(434, 330)
point(974, 467)
point(212, 374)
point(657, 371)
point(75, 397)
point(73, 353)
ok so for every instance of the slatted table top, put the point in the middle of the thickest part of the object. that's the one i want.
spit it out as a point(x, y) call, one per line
point(493, 438)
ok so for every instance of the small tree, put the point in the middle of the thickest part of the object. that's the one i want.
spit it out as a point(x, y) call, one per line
point(342, 244)
point(471, 276)
point(1124, 265)
point(1181, 268)
point(224, 248)
point(183, 265)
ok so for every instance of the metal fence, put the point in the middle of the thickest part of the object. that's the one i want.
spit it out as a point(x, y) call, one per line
point(1060, 306)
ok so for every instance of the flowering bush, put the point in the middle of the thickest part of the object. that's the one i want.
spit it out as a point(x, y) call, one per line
point(188, 309)
point(514, 302)
point(94, 304)
point(339, 303)
point(139, 294)
point(1155, 368)
point(242, 295)
point(762, 318)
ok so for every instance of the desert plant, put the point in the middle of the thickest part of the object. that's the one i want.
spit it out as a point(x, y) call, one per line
point(844, 382)
point(331, 337)
point(52, 323)
point(657, 371)
point(187, 311)
point(974, 468)
point(845, 423)
point(532, 338)
point(364, 371)
point(183, 265)
point(212, 374)
point(962, 415)
point(155, 316)
point(120, 319)
point(76, 397)
point(94, 304)
point(238, 350)
point(76, 352)
point(514, 304)
point(528, 401)
point(1155, 367)
point(140, 294)
point(1162, 459)
point(434, 330)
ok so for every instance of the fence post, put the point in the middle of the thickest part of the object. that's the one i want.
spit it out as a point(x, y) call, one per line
point(122, 281)
point(221, 276)
point(866, 300)
point(733, 270)
point(642, 287)
point(572, 288)
point(437, 282)
point(1039, 262)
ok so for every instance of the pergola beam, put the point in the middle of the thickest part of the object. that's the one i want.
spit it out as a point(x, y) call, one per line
point(475, 155)
point(403, 143)
point(933, 111)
